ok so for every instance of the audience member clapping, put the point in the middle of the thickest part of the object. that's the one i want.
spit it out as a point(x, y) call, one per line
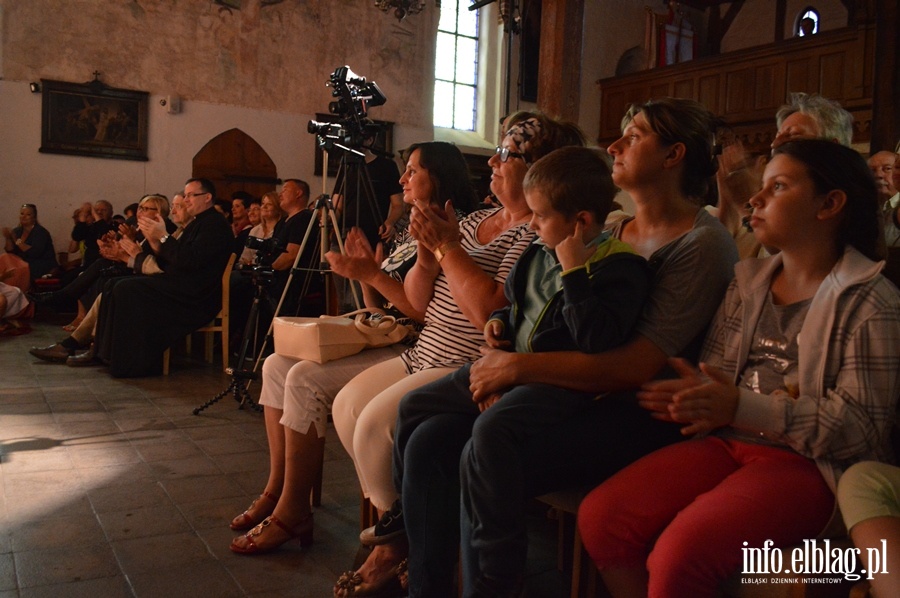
point(31, 242)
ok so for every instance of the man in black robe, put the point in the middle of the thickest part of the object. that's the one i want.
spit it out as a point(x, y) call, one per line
point(141, 317)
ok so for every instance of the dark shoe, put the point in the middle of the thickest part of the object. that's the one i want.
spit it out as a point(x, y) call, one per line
point(84, 358)
point(389, 527)
point(54, 353)
point(42, 298)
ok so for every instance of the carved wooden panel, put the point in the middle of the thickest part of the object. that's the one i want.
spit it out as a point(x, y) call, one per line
point(747, 87)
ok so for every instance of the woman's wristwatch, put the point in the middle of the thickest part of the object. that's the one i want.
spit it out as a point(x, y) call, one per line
point(441, 252)
point(164, 238)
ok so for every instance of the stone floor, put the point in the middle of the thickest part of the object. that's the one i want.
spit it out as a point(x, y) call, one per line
point(114, 488)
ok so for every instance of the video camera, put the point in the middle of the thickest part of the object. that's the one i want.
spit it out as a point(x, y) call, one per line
point(355, 96)
point(267, 250)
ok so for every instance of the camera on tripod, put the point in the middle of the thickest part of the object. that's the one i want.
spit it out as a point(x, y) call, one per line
point(267, 250)
point(355, 96)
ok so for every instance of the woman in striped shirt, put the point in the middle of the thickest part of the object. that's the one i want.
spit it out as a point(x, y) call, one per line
point(457, 281)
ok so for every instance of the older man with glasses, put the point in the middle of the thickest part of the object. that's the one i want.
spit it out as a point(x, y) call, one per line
point(140, 317)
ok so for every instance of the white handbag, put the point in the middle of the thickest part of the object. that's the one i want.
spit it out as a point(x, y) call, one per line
point(327, 338)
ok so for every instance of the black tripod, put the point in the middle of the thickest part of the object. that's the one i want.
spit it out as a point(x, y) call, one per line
point(355, 189)
point(241, 378)
point(325, 216)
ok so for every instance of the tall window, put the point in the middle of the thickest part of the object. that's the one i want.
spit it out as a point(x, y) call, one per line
point(456, 67)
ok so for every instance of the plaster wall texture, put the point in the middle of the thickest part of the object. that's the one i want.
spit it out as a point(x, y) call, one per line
point(262, 70)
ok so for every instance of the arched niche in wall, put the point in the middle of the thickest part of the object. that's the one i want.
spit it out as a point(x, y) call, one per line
point(234, 161)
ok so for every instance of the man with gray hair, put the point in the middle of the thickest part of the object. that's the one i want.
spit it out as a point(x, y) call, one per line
point(882, 166)
point(810, 116)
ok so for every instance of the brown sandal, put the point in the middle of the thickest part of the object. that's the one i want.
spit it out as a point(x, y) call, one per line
point(302, 531)
point(246, 521)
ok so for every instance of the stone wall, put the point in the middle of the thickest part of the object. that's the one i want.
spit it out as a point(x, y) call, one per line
point(260, 69)
point(275, 57)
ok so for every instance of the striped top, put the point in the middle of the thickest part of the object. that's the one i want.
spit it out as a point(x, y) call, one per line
point(449, 339)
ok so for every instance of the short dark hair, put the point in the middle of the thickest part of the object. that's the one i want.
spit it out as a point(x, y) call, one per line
point(833, 166)
point(678, 120)
point(303, 185)
point(206, 186)
point(132, 207)
point(448, 171)
point(574, 179)
point(243, 196)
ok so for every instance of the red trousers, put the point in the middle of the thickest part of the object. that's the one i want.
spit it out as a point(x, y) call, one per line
point(686, 511)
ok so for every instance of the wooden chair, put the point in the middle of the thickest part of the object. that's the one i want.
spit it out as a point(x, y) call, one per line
point(219, 324)
point(584, 576)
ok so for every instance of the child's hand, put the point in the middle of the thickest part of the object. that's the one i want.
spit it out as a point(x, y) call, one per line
point(571, 251)
point(705, 403)
point(483, 405)
point(493, 333)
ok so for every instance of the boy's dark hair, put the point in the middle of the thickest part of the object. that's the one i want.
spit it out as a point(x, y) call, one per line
point(833, 166)
point(132, 207)
point(678, 120)
point(574, 179)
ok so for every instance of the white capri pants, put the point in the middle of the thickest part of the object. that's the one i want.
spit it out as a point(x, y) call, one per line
point(305, 390)
point(867, 490)
point(365, 414)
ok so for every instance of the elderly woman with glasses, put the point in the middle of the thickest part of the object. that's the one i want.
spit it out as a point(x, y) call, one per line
point(457, 281)
point(31, 242)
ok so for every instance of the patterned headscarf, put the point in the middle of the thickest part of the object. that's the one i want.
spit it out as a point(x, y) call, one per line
point(522, 135)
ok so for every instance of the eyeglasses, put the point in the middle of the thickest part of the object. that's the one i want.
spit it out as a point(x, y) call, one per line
point(147, 209)
point(505, 154)
point(189, 195)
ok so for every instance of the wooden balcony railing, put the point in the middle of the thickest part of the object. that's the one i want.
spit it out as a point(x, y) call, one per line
point(747, 87)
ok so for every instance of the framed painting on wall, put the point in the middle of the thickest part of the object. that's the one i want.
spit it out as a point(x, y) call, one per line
point(92, 119)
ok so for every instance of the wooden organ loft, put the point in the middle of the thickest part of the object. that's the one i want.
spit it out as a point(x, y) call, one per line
point(747, 87)
point(856, 65)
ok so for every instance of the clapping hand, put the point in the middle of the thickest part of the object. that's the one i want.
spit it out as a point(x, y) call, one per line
point(128, 230)
point(359, 261)
point(432, 226)
point(153, 227)
point(705, 400)
point(129, 247)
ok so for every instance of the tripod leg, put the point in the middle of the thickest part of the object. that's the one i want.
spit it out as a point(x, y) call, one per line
point(215, 399)
point(240, 379)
